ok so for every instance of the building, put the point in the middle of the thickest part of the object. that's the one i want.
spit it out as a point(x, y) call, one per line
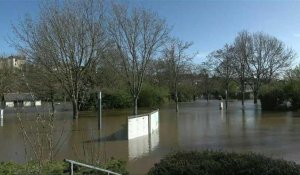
point(20, 100)
point(12, 62)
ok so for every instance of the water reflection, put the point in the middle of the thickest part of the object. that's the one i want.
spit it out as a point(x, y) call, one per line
point(142, 146)
point(197, 126)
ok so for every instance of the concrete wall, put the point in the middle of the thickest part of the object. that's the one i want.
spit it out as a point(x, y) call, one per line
point(137, 126)
point(143, 134)
point(144, 124)
point(154, 121)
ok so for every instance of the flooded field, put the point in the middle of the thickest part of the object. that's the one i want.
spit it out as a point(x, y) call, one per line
point(198, 126)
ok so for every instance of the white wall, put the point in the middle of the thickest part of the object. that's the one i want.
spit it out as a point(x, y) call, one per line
point(27, 103)
point(9, 104)
point(38, 103)
point(154, 118)
point(137, 126)
point(154, 140)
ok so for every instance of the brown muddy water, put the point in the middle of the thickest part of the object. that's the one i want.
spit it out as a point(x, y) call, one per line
point(198, 126)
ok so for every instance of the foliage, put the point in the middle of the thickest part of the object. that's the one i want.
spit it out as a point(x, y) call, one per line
point(271, 96)
point(292, 90)
point(152, 96)
point(274, 95)
point(116, 166)
point(11, 168)
point(90, 103)
point(57, 168)
point(222, 163)
point(117, 99)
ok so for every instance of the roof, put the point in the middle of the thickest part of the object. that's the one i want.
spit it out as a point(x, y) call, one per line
point(19, 97)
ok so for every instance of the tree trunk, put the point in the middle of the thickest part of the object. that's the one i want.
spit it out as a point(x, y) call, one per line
point(52, 106)
point(226, 96)
point(207, 96)
point(75, 108)
point(135, 108)
point(255, 96)
point(176, 100)
point(52, 102)
point(243, 94)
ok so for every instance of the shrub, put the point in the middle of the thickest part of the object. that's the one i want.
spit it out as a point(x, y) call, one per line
point(12, 168)
point(222, 163)
point(116, 99)
point(292, 90)
point(152, 96)
point(272, 96)
point(58, 168)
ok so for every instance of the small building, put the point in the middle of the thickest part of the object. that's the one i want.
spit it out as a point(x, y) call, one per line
point(20, 100)
point(12, 62)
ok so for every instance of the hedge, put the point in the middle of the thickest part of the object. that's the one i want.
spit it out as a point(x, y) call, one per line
point(222, 163)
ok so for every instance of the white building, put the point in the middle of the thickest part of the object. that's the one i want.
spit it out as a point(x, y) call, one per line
point(20, 100)
point(12, 62)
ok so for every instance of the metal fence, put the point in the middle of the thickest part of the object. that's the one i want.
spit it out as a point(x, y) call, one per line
point(72, 163)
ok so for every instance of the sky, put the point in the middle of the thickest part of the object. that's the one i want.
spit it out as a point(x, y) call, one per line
point(208, 24)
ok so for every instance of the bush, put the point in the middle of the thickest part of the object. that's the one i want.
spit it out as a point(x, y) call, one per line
point(292, 90)
point(222, 163)
point(116, 99)
point(58, 168)
point(152, 96)
point(12, 168)
point(272, 96)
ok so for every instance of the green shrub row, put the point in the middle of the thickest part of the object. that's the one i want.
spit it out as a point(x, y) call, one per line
point(222, 163)
point(150, 96)
point(58, 168)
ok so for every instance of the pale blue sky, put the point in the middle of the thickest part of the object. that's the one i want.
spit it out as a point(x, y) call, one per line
point(208, 24)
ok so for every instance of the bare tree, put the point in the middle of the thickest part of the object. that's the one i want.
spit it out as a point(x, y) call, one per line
point(42, 84)
point(66, 39)
point(243, 51)
point(137, 35)
point(270, 58)
point(206, 74)
point(177, 62)
point(223, 59)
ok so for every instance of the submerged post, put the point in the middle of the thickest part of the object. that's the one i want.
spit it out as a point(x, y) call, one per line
point(99, 110)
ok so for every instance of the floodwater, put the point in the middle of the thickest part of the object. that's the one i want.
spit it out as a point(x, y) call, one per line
point(198, 126)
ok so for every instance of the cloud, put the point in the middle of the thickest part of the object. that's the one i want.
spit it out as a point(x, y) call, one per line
point(297, 35)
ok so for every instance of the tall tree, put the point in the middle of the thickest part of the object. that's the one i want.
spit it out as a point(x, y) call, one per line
point(270, 58)
point(137, 35)
point(243, 51)
point(66, 39)
point(177, 61)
